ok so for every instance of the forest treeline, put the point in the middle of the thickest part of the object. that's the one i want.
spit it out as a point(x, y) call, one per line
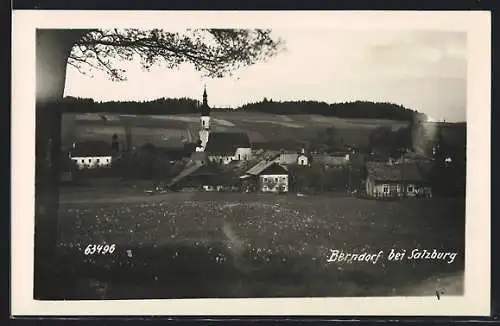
point(357, 109)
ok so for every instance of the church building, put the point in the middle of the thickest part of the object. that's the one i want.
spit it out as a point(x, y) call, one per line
point(221, 147)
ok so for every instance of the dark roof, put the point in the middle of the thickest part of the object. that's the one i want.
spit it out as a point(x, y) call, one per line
point(92, 148)
point(190, 169)
point(212, 175)
point(383, 172)
point(395, 172)
point(267, 167)
point(226, 143)
point(411, 172)
point(274, 168)
point(259, 167)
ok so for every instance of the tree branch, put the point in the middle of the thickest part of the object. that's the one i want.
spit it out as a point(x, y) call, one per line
point(216, 52)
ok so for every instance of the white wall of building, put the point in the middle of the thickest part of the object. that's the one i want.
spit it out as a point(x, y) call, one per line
point(204, 134)
point(205, 122)
point(221, 159)
point(302, 160)
point(90, 162)
point(275, 179)
point(243, 154)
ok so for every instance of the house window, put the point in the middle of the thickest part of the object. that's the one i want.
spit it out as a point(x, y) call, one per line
point(98, 160)
point(220, 161)
point(90, 160)
point(410, 188)
point(385, 189)
point(265, 179)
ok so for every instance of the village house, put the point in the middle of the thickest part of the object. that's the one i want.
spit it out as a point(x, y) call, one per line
point(267, 176)
point(92, 154)
point(396, 180)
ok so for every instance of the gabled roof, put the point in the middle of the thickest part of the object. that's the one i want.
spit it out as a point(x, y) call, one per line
point(92, 148)
point(265, 166)
point(383, 172)
point(226, 143)
point(275, 169)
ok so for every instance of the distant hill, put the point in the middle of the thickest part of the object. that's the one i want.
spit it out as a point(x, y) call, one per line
point(171, 106)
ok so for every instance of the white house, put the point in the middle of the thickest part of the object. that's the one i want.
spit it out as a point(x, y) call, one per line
point(91, 154)
point(302, 158)
point(270, 176)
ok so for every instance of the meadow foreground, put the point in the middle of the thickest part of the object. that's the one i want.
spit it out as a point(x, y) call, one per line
point(188, 245)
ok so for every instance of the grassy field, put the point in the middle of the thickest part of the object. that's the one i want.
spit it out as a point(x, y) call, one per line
point(173, 130)
point(169, 129)
point(248, 245)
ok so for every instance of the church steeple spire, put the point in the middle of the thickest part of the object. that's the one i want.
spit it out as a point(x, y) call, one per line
point(205, 101)
point(205, 109)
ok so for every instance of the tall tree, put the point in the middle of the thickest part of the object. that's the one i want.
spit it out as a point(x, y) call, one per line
point(215, 52)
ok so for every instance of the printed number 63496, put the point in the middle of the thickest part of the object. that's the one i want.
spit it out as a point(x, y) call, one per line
point(93, 249)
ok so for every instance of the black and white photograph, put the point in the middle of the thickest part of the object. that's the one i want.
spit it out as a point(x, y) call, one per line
point(216, 160)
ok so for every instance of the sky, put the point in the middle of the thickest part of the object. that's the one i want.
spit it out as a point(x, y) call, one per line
point(422, 70)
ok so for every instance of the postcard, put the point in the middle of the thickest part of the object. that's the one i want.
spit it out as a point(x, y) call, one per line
point(251, 163)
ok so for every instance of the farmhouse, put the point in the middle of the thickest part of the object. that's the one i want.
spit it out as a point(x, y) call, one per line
point(267, 176)
point(396, 180)
point(92, 154)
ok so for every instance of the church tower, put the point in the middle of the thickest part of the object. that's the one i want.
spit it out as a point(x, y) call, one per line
point(205, 122)
point(205, 112)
